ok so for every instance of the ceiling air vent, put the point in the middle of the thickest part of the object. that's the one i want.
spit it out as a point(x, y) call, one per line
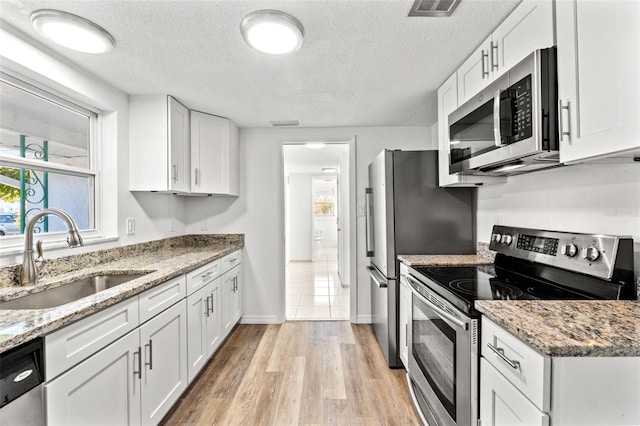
point(433, 7)
point(286, 123)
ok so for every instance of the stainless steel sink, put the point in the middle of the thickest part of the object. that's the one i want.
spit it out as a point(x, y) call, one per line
point(69, 292)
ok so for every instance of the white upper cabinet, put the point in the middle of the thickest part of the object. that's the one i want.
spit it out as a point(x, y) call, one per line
point(158, 144)
point(447, 102)
point(598, 79)
point(529, 27)
point(214, 155)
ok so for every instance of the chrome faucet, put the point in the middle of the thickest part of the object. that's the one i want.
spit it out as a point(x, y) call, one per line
point(31, 266)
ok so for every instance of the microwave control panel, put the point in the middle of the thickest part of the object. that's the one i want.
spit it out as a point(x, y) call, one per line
point(516, 115)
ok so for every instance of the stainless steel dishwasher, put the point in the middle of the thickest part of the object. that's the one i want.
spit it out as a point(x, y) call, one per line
point(21, 377)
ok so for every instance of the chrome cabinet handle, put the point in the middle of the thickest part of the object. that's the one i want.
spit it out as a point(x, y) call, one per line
point(206, 307)
point(211, 304)
point(207, 275)
point(195, 175)
point(561, 121)
point(174, 172)
point(139, 372)
point(368, 195)
point(485, 72)
point(150, 363)
point(500, 352)
point(494, 47)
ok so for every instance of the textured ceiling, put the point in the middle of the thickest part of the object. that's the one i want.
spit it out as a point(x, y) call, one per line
point(363, 62)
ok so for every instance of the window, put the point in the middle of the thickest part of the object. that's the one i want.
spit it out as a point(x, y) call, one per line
point(46, 158)
point(323, 202)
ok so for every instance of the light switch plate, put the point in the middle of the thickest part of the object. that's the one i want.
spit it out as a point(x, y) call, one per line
point(131, 226)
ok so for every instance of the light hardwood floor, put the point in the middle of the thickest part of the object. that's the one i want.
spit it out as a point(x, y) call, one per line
point(297, 373)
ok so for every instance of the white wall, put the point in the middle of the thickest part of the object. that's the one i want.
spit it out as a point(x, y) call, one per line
point(258, 212)
point(300, 217)
point(589, 198)
point(154, 213)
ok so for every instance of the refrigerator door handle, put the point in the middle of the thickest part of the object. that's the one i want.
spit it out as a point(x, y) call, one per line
point(368, 219)
point(380, 280)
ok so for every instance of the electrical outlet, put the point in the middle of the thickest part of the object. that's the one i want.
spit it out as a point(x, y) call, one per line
point(131, 226)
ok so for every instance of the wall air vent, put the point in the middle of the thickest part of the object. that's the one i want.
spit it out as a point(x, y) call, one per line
point(433, 7)
point(286, 123)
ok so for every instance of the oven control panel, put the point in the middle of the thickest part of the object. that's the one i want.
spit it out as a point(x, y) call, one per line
point(584, 253)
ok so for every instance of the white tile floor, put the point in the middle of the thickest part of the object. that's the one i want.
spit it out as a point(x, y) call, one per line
point(313, 289)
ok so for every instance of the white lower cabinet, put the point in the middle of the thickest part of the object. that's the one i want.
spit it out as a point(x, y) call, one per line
point(103, 389)
point(231, 302)
point(204, 317)
point(163, 342)
point(520, 386)
point(405, 314)
point(134, 380)
point(501, 404)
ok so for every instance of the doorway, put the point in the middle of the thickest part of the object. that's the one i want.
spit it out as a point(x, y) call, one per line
point(317, 231)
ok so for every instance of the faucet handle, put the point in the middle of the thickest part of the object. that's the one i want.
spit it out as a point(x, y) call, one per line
point(40, 259)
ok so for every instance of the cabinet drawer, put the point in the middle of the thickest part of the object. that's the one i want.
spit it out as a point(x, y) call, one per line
point(203, 275)
point(229, 261)
point(524, 367)
point(70, 345)
point(157, 299)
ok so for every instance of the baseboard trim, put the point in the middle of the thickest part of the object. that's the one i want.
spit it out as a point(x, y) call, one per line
point(363, 319)
point(260, 319)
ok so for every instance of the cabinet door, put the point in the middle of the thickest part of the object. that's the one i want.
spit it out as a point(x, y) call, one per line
point(214, 319)
point(197, 314)
point(501, 404)
point(227, 284)
point(475, 72)
point(529, 27)
point(236, 303)
point(213, 150)
point(405, 313)
point(164, 354)
point(598, 84)
point(105, 388)
point(178, 146)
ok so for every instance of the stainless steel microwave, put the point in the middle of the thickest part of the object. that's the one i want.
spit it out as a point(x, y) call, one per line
point(510, 127)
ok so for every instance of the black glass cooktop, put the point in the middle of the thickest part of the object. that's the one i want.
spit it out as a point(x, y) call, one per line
point(488, 282)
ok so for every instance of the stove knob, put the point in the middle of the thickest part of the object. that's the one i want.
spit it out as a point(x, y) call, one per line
point(497, 238)
point(591, 254)
point(507, 239)
point(569, 250)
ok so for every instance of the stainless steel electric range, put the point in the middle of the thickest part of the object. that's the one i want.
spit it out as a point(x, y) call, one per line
point(529, 264)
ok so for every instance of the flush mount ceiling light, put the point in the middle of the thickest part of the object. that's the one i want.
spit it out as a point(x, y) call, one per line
point(315, 145)
point(72, 31)
point(272, 32)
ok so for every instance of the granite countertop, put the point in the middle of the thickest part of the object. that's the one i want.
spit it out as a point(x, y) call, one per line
point(163, 260)
point(445, 260)
point(570, 328)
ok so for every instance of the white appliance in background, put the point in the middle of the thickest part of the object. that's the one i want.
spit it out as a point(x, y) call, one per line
point(407, 213)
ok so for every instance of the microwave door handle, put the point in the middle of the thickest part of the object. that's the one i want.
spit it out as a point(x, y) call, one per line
point(368, 221)
point(497, 135)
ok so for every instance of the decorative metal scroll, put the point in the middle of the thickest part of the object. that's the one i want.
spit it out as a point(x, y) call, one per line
point(34, 186)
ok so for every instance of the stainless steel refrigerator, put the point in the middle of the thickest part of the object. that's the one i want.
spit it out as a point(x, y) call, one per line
point(407, 213)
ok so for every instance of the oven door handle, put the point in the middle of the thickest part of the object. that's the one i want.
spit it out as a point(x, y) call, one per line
point(440, 312)
point(380, 280)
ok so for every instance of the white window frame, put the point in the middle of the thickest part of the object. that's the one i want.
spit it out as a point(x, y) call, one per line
point(15, 244)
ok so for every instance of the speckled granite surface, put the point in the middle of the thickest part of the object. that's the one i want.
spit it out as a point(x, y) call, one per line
point(444, 260)
point(570, 328)
point(482, 257)
point(163, 259)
